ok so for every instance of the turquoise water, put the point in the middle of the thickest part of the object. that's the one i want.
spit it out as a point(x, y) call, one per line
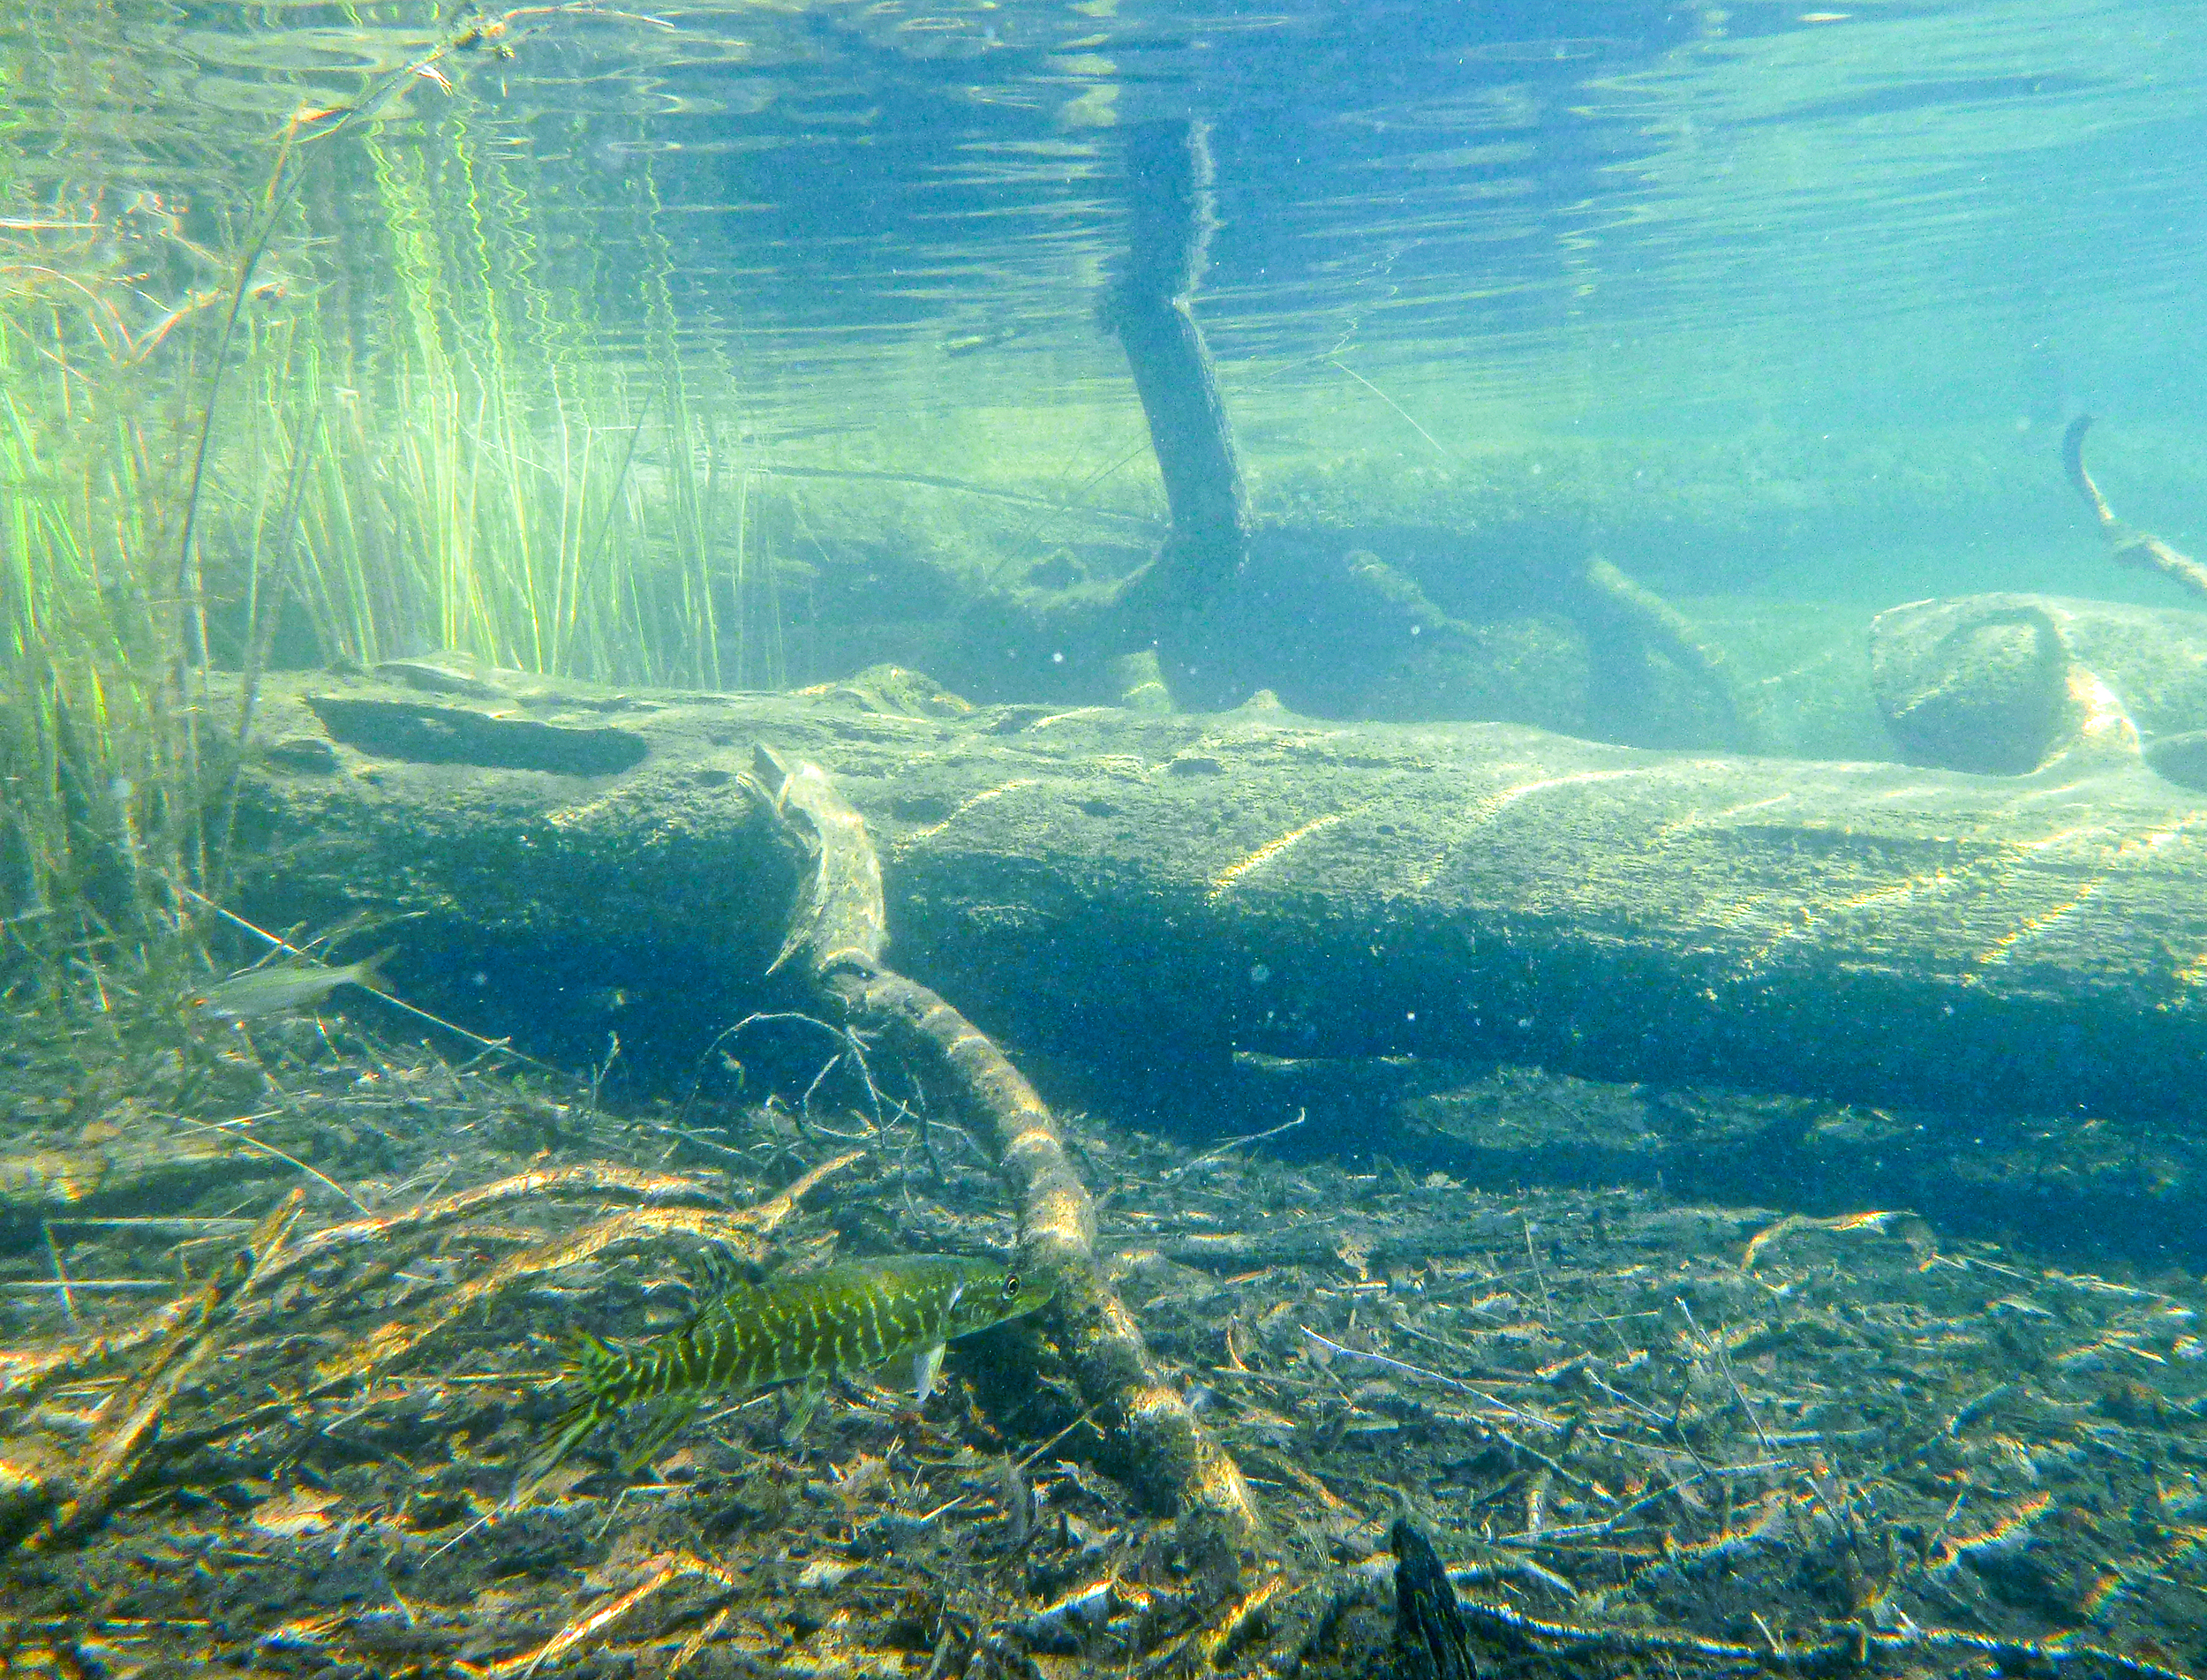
point(1767, 301)
point(1801, 221)
point(757, 344)
point(1760, 302)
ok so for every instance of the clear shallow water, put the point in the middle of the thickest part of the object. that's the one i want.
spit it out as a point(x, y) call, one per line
point(1611, 217)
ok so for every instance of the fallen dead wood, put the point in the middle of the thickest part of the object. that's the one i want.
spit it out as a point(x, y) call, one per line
point(739, 1231)
point(1852, 1650)
point(64, 1495)
point(130, 1419)
point(581, 1178)
point(25, 1370)
point(36, 1183)
point(837, 940)
point(2125, 545)
point(1140, 897)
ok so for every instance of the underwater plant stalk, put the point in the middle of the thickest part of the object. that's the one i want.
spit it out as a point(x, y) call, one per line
point(260, 631)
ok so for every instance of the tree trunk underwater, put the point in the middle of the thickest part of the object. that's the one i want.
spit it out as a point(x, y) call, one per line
point(1139, 897)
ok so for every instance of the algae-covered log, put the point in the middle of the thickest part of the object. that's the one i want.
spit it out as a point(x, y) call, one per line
point(1142, 895)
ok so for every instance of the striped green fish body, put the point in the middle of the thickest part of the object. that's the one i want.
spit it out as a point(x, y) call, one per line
point(812, 1327)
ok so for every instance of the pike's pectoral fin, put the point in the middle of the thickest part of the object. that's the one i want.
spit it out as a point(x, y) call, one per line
point(927, 1365)
point(574, 1424)
point(802, 1408)
point(665, 1418)
point(714, 1271)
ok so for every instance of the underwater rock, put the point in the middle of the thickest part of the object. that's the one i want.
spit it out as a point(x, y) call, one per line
point(2180, 758)
point(1976, 685)
point(2003, 684)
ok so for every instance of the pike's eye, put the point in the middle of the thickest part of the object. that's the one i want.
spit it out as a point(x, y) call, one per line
point(1012, 1287)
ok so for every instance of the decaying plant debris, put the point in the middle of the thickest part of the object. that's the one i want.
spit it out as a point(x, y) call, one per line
point(275, 1424)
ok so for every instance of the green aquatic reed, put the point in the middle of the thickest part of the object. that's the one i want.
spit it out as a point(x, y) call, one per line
point(363, 416)
point(97, 749)
point(496, 485)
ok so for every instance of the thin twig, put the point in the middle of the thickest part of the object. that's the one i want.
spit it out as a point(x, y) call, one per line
point(61, 1272)
point(228, 1129)
point(1229, 1145)
point(1724, 1364)
point(1393, 1364)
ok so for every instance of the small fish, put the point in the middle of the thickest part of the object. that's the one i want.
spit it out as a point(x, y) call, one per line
point(280, 988)
point(974, 343)
point(803, 1329)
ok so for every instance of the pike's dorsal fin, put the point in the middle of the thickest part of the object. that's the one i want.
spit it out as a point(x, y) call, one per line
point(714, 1271)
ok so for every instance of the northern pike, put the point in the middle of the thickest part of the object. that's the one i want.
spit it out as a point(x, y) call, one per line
point(807, 1329)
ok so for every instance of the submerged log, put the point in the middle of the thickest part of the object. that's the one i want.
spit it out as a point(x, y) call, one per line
point(837, 938)
point(2125, 547)
point(1139, 897)
point(1170, 224)
point(1218, 612)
